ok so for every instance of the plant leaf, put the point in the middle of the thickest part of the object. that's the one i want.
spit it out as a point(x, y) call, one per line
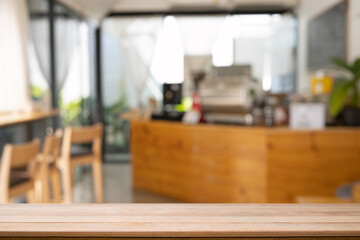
point(338, 96)
point(356, 68)
point(342, 64)
point(357, 64)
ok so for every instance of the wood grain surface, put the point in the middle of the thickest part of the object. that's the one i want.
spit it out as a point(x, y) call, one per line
point(203, 164)
point(233, 164)
point(311, 163)
point(180, 220)
point(10, 119)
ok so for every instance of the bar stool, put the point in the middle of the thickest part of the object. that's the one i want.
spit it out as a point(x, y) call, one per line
point(50, 168)
point(19, 172)
point(79, 135)
point(355, 197)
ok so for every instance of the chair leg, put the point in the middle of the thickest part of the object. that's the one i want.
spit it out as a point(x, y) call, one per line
point(4, 199)
point(98, 180)
point(67, 182)
point(56, 186)
point(45, 183)
point(39, 190)
point(30, 196)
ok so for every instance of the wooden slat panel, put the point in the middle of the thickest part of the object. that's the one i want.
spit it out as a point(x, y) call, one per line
point(311, 163)
point(180, 220)
point(207, 163)
point(86, 134)
point(202, 163)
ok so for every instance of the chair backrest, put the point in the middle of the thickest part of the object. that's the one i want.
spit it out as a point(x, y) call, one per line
point(21, 155)
point(16, 156)
point(52, 145)
point(88, 134)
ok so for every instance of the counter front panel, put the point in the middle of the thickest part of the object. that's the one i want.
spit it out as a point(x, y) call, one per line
point(233, 164)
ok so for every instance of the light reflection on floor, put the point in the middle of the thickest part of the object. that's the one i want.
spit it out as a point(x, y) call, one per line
point(117, 187)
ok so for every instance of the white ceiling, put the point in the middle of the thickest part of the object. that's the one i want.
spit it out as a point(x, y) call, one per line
point(97, 9)
point(157, 5)
point(148, 5)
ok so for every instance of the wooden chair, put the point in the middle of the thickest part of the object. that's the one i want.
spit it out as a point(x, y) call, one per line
point(19, 172)
point(78, 135)
point(313, 199)
point(50, 168)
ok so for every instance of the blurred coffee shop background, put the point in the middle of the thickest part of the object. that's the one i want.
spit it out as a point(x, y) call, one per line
point(228, 101)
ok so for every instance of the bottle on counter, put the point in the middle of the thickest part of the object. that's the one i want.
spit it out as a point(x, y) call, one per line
point(269, 116)
point(269, 111)
point(195, 115)
point(197, 106)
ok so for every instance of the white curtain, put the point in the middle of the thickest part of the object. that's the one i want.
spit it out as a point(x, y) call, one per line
point(14, 82)
point(138, 38)
point(66, 38)
point(199, 33)
point(77, 84)
point(94, 10)
point(41, 43)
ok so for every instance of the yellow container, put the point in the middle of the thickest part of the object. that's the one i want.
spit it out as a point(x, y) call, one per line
point(321, 84)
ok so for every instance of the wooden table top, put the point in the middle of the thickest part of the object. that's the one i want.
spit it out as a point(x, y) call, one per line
point(10, 119)
point(180, 220)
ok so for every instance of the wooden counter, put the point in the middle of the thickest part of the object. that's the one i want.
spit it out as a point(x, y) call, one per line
point(169, 221)
point(233, 164)
point(10, 119)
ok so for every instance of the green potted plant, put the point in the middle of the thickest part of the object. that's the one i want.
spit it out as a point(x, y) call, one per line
point(345, 95)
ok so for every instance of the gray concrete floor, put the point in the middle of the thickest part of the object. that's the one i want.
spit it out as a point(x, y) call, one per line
point(117, 187)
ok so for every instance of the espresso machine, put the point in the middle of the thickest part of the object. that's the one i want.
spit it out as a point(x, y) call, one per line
point(172, 96)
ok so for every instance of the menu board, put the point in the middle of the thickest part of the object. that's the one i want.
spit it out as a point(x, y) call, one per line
point(327, 36)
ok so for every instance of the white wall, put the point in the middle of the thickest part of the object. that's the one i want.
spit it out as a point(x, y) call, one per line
point(354, 30)
point(309, 9)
